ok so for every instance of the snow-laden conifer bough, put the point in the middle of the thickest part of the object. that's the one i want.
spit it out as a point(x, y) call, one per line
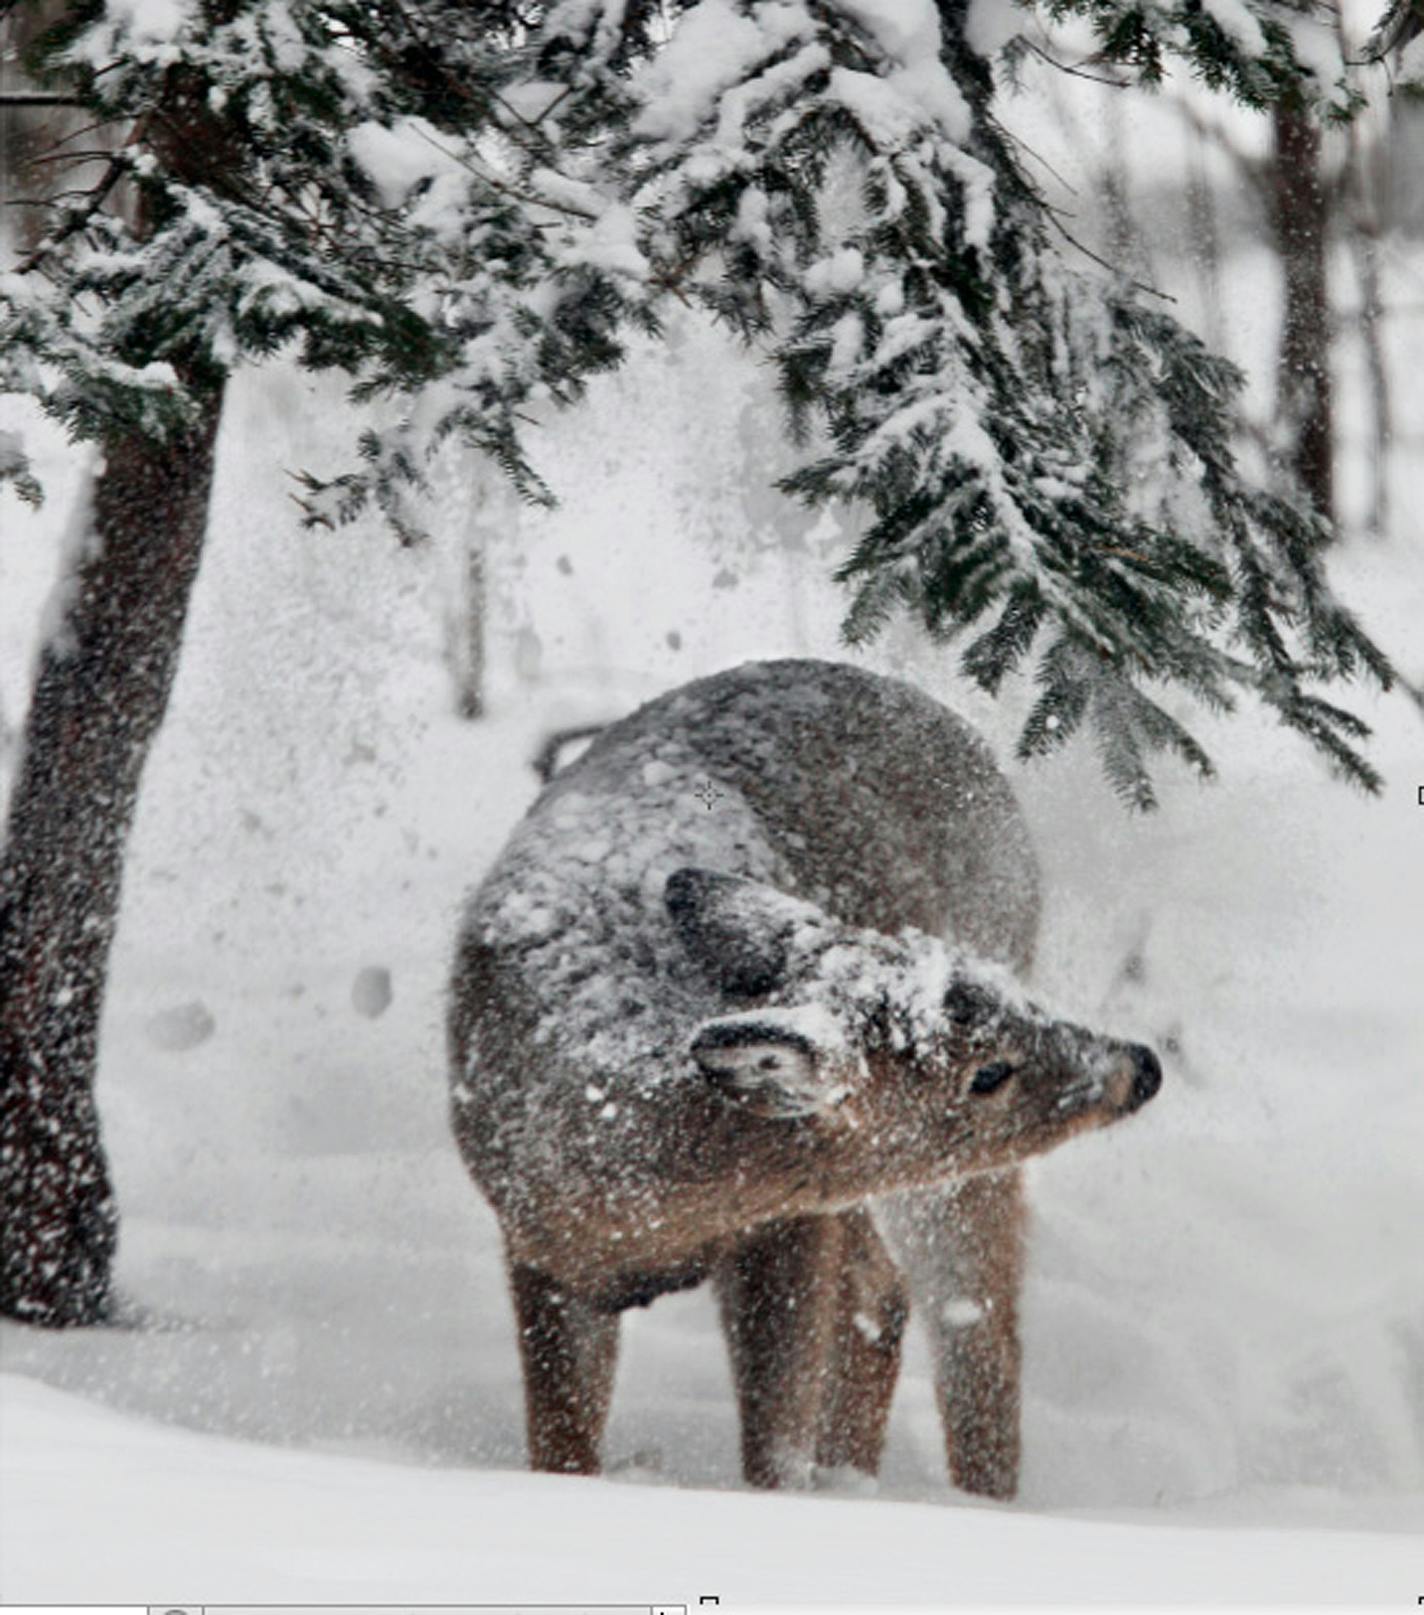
point(470, 210)
point(738, 1001)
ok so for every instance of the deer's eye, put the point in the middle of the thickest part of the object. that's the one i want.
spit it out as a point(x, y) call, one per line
point(988, 1078)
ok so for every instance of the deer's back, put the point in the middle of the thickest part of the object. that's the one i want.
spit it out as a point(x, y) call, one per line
point(886, 807)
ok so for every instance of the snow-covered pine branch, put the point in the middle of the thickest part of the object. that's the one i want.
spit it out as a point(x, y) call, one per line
point(466, 208)
point(1257, 51)
point(375, 214)
point(1038, 447)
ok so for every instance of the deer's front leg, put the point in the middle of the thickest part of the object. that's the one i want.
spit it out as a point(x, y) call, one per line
point(961, 1247)
point(779, 1289)
point(569, 1351)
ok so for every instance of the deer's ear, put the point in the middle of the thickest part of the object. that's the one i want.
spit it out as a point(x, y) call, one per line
point(775, 1070)
point(771, 1069)
point(739, 931)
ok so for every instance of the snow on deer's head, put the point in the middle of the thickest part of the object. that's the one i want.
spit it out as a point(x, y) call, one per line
point(937, 1052)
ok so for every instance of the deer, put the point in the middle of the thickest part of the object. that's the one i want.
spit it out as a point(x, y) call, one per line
point(741, 1001)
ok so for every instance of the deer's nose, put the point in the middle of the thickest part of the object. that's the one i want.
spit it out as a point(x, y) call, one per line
point(1146, 1076)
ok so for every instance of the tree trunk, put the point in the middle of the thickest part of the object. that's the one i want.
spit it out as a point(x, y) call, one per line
point(468, 632)
point(1301, 220)
point(490, 511)
point(99, 698)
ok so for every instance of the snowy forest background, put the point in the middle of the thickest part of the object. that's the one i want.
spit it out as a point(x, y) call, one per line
point(1225, 1312)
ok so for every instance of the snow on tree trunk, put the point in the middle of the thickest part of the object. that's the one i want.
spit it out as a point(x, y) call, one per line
point(1301, 220)
point(99, 698)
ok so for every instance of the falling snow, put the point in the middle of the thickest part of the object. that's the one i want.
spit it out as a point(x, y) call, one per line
point(1223, 1317)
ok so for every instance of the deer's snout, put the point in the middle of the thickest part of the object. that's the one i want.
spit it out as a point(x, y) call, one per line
point(1146, 1076)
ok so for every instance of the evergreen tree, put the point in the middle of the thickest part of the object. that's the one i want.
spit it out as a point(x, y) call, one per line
point(1045, 454)
point(465, 204)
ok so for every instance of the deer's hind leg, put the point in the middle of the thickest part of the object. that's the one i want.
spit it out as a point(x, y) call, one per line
point(872, 1309)
point(779, 1289)
point(569, 1350)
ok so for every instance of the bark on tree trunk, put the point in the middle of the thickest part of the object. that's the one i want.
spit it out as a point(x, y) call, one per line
point(1301, 219)
point(99, 699)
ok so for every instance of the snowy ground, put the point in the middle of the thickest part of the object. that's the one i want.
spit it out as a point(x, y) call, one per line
point(300, 1527)
point(1225, 1313)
